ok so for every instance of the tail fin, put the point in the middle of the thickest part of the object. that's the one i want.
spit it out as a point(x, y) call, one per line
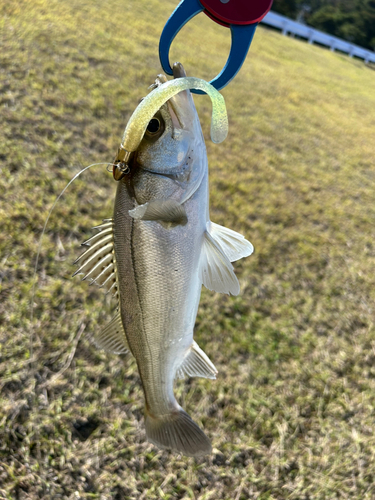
point(179, 432)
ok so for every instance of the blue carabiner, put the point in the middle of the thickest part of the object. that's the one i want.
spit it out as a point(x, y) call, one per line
point(242, 19)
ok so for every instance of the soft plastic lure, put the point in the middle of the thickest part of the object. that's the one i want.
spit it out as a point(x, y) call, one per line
point(138, 122)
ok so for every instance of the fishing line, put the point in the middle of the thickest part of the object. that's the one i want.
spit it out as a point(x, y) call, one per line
point(44, 230)
point(32, 336)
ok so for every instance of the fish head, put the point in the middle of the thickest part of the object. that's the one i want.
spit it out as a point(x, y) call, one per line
point(173, 137)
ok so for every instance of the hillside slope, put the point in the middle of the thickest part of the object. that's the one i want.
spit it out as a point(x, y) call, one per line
point(291, 414)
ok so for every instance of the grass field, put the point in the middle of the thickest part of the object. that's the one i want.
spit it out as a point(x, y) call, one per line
point(291, 415)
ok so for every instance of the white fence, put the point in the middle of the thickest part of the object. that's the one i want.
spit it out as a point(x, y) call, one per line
point(286, 25)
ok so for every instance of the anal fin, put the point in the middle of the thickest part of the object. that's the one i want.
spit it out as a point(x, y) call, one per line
point(169, 211)
point(216, 271)
point(233, 244)
point(112, 337)
point(196, 363)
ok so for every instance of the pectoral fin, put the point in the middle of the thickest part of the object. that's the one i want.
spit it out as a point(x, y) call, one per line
point(112, 338)
point(232, 244)
point(161, 210)
point(196, 363)
point(216, 271)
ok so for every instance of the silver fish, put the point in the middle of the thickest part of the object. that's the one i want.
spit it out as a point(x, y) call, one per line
point(154, 255)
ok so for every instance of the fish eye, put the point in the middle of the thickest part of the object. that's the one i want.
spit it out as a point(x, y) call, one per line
point(153, 126)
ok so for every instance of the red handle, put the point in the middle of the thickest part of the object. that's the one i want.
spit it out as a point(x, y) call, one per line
point(228, 12)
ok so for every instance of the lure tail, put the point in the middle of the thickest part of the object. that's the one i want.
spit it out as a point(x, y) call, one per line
point(178, 432)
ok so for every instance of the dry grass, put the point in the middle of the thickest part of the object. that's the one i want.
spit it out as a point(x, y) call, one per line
point(291, 415)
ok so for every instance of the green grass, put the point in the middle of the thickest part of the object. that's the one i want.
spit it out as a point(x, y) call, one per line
point(291, 415)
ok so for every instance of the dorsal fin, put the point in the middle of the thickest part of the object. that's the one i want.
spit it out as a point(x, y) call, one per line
point(112, 337)
point(98, 263)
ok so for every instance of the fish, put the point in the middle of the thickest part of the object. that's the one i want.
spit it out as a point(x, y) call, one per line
point(153, 255)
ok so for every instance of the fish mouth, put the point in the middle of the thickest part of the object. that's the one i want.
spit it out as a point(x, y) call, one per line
point(178, 70)
point(178, 114)
point(181, 106)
